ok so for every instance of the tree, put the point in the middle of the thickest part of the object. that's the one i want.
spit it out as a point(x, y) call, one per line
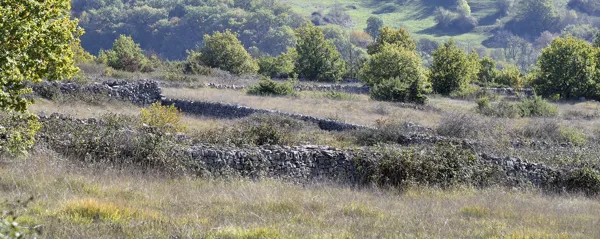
point(127, 55)
point(400, 38)
point(393, 62)
point(397, 90)
point(374, 24)
point(318, 58)
point(452, 69)
point(535, 16)
point(225, 51)
point(35, 44)
point(463, 8)
point(487, 71)
point(278, 67)
point(567, 68)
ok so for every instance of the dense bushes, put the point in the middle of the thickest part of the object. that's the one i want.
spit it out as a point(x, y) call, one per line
point(452, 69)
point(278, 67)
point(125, 55)
point(166, 118)
point(318, 59)
point(529, 107)
point(443, 165)
point(268, 87)
point(226, 52)
point(395, 90)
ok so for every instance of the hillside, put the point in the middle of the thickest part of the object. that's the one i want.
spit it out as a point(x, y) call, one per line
point(417, 16)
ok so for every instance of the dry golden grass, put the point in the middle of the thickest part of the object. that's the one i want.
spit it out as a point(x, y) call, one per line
point(99, 202)
point(358, 111)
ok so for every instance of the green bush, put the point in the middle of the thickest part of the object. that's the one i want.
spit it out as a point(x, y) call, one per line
point(503, 109)
point(395, 90)
point(268, 87)
point(442, 165)
point(585, 180)
point(278, 67)
point(126, 55)
point(9, 217)
point(226, 52)
point(537, 107)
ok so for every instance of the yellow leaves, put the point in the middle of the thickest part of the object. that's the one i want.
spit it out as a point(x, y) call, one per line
point(167, 118)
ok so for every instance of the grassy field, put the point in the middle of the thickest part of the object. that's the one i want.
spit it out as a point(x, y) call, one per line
point(71, 201)
point(417, 16)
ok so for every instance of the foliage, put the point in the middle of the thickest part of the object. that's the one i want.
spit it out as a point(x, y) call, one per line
point(586, 32)
point(396, 90)
point(18, 132)
point(452, 69)
point(503, 109)
point(585, 179)
point(80, 56)
point(567, 67)
point(392, 61)
point(399, 38)
point(318, 58)
point(444, 18)
point(443, 165)
point(127, 55)
point(591, 7)
point(374, 24)
point(171, 27)
point(487, 71)
point(537, 107)
point(597, 39)
point(278, 67)
point(120, 141)
point(35, 44)
point(226, 52)
point(510, 76)
point(463, 8)
point(268, 87)
point(167, 118)
point(533, 17)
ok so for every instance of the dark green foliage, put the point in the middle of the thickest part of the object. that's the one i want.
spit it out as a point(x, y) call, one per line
point(452, 69)
point(443, 165)
point(396, 90)
point(374, 24)
point(582, 180)
point(392, 61)
point(268, 87)
point(171, 27)
point(318, 58)
point(537, 107)
point(126, 55)
point(591, 7)
point(597, 39)
point(226, 52)
point(278, 67)
point(568, 68)
point(487, 71)
point(534, 17)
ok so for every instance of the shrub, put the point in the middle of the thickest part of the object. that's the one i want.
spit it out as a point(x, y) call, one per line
point(270, 129)
point(443, 165)
point(452, 69)
point(392, 61)
point(537, 107)
point(126, 55)
point(268, 87)
point(167, 118)
point(118, 140)
point(9, 227)
point(444, 18)
point(223, 50)
point(374, 24)
point(395, 90)
point(278, 67)
point(461, 125)
point(552, 131)
point(318, 59)
point(18, 132)
point(586, 180)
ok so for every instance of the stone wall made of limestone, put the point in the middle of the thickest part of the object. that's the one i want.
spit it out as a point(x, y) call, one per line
point(140, 92)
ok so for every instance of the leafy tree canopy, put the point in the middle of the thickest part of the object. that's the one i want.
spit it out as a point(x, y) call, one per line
point(400, 38)
point(318, 59)
point(452, 69)
point(223, 50)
